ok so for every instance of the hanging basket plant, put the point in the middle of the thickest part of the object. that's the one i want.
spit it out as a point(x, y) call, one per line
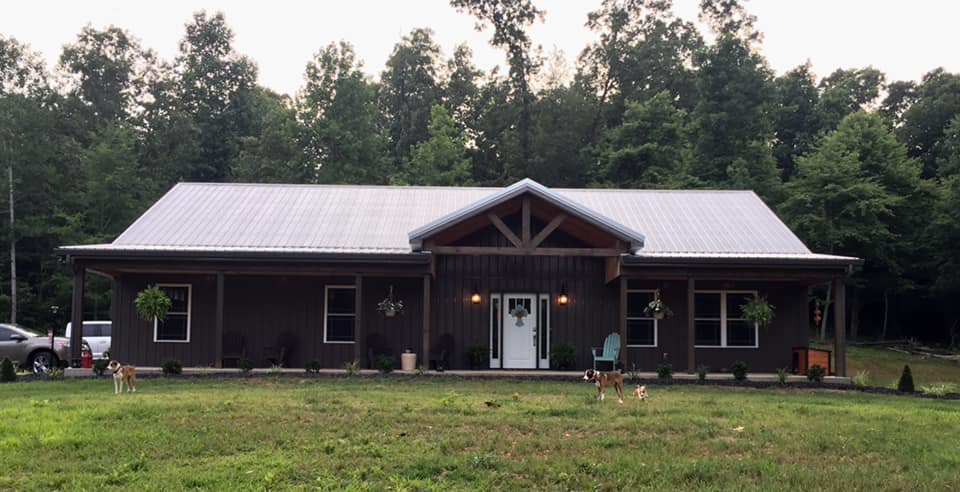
point(152, 304)
point(519, 312)
point(656, 309)
point(758, 310)
point(390, 306)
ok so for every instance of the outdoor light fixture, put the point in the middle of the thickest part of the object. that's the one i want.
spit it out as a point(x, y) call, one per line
point(475, 297)
point(563, 299)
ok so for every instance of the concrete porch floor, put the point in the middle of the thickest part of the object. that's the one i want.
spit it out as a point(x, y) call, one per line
point(490, 373)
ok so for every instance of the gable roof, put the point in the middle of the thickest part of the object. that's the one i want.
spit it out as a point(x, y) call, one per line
point(528, 186)
point(277, 219)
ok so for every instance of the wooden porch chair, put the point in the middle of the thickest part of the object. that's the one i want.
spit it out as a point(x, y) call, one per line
point(610, 351)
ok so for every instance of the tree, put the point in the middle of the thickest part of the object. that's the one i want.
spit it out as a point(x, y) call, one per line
point(730, 18)
point(561, 136)
point(847, 91)
point(111, 71)
point(733, 119)
point(651, 149)
point(856, 194)
point(797, 122)
point(409, 88)
point(460, 89)
point(510, 19)
point(441, 160)
point(342, 134)
point(273, 154)
point(21, 70)
point(900, 95)
point(215, 85)
point(935, 103)
point(643, 50)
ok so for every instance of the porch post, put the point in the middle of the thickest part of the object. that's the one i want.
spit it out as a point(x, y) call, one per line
point(623, 322)
point(218, 324)
point(426, 322)
point(359, 340)
point(839, 328)
point(691, 327)
point(76, 315)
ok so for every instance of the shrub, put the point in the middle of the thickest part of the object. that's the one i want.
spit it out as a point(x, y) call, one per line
point(421, 370)
point(314, 366)
point(171, 367)
point(906, 381)
point(352, 368)
point(702, 371)
point(152, 303)
point(815, 373)
point(739, 370)
point(758, 310)
point(386, 363)
point(782, 374)
point(665, 371)
point(937, 390)
point(276, 369)
point(54, 373)
point(478, 356)
point(860, 378)
point(8, 373)
point(100, 367)
point(563, 357)
point(245, 365)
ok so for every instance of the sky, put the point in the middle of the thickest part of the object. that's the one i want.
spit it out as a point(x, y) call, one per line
point(904, 39)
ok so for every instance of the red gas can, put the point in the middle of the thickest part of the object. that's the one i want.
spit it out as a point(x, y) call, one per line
point(86, 360)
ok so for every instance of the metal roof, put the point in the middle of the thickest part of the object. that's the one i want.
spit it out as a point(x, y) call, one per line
point(382, 220)
point(634, 238)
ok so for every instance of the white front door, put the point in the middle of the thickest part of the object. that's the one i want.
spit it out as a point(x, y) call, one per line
point(519, 331)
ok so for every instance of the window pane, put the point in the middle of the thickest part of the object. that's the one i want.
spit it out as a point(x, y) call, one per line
point(636, 302)
point(105, 330)
point(640, 332)
point(341, 301)
point(5, 334)
point(173, 328)
point(708, 332)
point(340, 328)
point(741, 333)
point(734, 301)
point(707, 305)
point(179, 297)
point(495, 326)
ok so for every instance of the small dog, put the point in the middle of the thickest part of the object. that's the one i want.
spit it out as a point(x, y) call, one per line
point(604, 379)
point(640, 392)
point(123, 374)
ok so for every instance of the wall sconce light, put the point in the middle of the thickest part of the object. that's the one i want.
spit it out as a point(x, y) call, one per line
point(563, 299)
point(475, 297)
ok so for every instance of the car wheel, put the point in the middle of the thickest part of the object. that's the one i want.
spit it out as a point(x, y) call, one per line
point(42, 361)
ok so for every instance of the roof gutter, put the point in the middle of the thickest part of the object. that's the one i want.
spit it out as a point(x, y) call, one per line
point(72, 254)
point(847, 263)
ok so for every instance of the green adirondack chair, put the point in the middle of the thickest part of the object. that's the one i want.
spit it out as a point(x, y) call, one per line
point(611, 350)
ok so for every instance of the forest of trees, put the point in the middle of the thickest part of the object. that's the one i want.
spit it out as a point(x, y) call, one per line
point(856, 164)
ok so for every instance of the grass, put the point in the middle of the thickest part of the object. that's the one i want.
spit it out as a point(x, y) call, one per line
point(884, 367)
point(426, 433)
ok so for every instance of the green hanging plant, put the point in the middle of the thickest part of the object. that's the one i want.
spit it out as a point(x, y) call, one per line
point(758, 310)
point(152, 303)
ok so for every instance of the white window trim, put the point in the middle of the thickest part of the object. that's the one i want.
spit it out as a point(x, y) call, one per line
point(656, 322)
point(189, 313)
point(723, 320)
point(543, 308)
point(326, 315)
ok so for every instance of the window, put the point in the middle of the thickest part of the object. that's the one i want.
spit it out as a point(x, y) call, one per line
point(6, 333)
point(340, 306)
point(641, 329)
point(719, 322)
point(176, 328)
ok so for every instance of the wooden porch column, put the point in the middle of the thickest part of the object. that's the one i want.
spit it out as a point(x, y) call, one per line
point(218, 324)
point(76, 315)
point(359, 340)
point(623, 323)
point(425, 357)
point(839, 328)
point(691, 327)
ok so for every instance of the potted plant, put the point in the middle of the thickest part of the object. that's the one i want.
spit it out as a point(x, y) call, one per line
point(758, 310)
point(390, 307)
point(656, 308)
point(152, 304)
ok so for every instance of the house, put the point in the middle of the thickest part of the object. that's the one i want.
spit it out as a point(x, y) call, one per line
point(296, 272)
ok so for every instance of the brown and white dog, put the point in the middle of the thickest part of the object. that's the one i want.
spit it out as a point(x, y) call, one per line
point(604, 379)
point(640, 392)
point(123, 374)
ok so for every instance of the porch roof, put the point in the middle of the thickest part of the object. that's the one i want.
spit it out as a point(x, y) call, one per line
point(297, 220)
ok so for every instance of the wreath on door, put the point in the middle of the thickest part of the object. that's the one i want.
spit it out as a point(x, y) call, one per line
point(519, 312)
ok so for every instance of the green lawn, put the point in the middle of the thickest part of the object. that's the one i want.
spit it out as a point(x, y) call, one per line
point(438, 433)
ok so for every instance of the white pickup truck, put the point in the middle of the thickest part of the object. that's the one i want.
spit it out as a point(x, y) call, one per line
point(97, 335)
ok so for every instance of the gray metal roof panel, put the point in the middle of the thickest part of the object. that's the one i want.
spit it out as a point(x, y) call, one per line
point(358, 219)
